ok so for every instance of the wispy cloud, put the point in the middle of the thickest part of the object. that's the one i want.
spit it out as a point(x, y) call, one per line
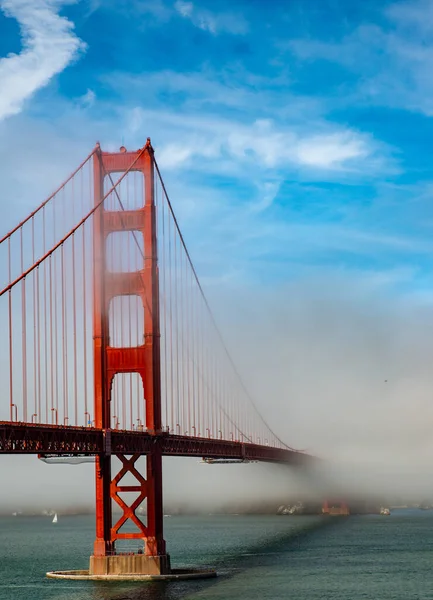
point(392, 60)
point(267, 192)
point(49, 45)
point(228, 151)
point(217, 91)
point(244, 121)
point(263, 144)
point(88, 99)
point(213, 22)
point(333, 150)
point(418, 12)
point(235, 146)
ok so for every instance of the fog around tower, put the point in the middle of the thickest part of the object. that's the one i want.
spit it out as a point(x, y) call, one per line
point(339, 368)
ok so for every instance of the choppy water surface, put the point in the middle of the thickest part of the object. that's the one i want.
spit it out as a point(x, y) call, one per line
point(261, 557)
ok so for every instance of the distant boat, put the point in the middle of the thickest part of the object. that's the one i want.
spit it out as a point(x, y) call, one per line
point(295, 509)
point(55, 518)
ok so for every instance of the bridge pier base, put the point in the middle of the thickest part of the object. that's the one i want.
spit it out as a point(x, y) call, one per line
point(175, 574)
point(130, 564)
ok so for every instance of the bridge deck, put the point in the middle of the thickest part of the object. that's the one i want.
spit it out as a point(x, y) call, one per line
point(25, 438)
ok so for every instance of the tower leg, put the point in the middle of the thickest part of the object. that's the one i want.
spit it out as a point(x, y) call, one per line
point(155, 545)
point(154, 560)
point(103, 544)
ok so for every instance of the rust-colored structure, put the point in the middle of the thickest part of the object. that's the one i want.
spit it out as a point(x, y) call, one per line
point(109, 361)
point(335, 508)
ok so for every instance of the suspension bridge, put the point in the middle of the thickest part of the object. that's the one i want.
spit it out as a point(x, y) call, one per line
point(109, 348)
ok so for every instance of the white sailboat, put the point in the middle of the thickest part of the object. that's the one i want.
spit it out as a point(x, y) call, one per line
point(55, 518)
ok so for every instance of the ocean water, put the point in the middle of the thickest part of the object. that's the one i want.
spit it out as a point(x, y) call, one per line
point(257, 557)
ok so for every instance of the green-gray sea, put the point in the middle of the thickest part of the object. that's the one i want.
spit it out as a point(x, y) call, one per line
point(257, 557)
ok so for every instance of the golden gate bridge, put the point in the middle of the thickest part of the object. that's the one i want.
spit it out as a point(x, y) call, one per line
point(109, 348)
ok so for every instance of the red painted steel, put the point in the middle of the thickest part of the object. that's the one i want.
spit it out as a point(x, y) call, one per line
point(24, 438)
point(143, 360)
point(335, 507)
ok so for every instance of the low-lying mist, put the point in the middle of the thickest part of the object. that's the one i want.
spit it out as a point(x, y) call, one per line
point(339, 367)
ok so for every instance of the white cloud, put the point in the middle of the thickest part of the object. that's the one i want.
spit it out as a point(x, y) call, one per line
point(184, 8)
point(392, 61)
point(88, 99)
point(49, 45)
point(174, 155)
point(213, 91)
point(215, 23)
point(239, 123)
point(268, 191)
point(419, 13)
point(196, 155)
point(263, 143)
point(333, 150)
point(158, 10)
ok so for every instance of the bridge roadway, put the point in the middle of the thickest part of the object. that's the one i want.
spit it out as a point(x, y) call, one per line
point(26, 438)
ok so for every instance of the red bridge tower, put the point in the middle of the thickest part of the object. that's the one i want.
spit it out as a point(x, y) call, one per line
point(143, 360)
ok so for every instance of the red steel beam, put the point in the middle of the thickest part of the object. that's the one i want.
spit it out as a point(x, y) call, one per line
point(24, 438)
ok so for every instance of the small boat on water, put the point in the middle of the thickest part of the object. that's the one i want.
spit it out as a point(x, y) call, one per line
point(295, 509)
point(55, 518)
point(384, 511)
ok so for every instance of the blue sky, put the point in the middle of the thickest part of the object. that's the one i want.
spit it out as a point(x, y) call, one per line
point(294, 137)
